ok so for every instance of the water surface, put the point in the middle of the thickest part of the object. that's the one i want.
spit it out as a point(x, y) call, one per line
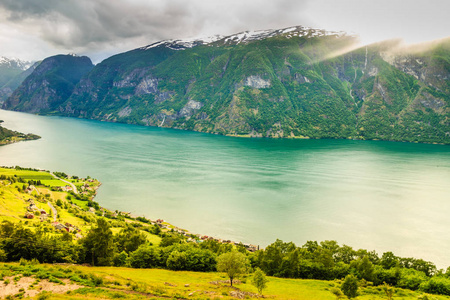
point(384, 196)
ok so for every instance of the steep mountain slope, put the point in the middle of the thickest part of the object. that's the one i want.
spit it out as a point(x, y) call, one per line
point(11, 70)
point(51, 83)
point(7, 89)
point(293, 82)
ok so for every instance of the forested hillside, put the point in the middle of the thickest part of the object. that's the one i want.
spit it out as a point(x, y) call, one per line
point(296, 82)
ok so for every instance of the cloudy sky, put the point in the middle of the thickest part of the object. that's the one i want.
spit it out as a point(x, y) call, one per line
point(35, 29)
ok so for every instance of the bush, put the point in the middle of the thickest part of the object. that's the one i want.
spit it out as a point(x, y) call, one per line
point(120, 259)
point(144, 257)
point(350, 286)
point(437, 285)
point(189, 258)
point(96, 280)
point(411, 279)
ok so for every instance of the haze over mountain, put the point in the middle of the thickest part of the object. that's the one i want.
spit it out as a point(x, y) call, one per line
point(12, 72)
point(291, 82)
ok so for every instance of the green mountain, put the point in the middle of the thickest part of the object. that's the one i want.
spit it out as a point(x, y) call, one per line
point(293, 82)
point(50, 83)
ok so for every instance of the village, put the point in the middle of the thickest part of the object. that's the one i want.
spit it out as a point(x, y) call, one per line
point(88, 190)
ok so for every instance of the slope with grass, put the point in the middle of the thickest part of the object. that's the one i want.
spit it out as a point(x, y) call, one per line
point(43, 281)
point(26, 192)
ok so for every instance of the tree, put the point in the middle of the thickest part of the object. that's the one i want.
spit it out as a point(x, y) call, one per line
point(129, 239)
point(365, 268)
point(350, 286)
point(233, 263)
point(259, 280)
point(170, 239)
point(389, 260)
point(99, 244)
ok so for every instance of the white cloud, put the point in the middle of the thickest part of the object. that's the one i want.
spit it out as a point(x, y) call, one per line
point(33, 29)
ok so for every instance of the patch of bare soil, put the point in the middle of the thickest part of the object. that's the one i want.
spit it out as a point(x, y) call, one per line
point(24, 283)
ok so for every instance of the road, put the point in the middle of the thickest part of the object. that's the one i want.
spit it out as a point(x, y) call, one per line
point(55, 212)
point(74, 188)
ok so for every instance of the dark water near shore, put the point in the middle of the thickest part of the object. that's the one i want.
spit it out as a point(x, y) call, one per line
point(367, 194)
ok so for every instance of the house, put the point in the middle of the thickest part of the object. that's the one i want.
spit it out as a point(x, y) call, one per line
point(32, 207)
point(67, 188)
point(252, 248)
point(29, 215)
point(60, 226)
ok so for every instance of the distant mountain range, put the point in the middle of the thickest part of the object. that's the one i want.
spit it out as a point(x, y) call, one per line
point(295, 82)
point(12, 72)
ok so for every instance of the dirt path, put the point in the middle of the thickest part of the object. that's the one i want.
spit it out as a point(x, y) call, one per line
point(55, 212)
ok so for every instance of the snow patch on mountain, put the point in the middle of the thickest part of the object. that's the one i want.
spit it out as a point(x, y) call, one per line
point(15, 63)
point(245, 37)
point(184, 44)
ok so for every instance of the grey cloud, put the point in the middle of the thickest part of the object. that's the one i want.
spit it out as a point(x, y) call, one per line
point(90, 25)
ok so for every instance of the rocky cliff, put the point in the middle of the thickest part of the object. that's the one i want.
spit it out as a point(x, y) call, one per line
point(49, 85)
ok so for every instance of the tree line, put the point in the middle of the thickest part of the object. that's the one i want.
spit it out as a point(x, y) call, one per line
point(326, 260)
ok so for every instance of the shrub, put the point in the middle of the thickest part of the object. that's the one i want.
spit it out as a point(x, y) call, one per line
point(436, 285)
point(144, 257)
point(411, 279)
point(350, 286)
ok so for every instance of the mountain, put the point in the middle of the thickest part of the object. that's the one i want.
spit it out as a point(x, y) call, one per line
point(50, 83)
point(10, 67)
point(295, 82)
point(7, 89)
point(11, 71)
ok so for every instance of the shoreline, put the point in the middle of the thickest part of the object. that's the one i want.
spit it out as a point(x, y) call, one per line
point(8, 136)
point(248, 136)
point(159, 222)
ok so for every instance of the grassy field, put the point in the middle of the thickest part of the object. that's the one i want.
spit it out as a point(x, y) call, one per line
point(80, 282)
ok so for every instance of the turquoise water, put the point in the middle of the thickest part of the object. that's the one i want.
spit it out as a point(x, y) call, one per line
point(375, 195)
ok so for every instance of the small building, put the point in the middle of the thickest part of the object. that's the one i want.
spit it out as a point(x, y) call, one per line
point(60, 226)
point(29, 215)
